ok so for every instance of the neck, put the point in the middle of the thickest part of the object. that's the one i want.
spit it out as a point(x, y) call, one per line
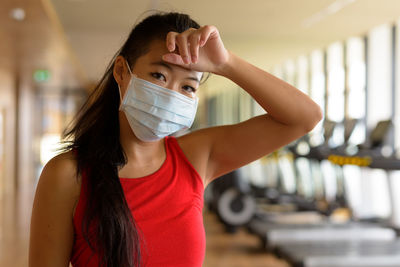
point(134, 148)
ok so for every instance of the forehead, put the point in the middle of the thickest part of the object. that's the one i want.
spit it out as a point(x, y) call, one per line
point(157, 49)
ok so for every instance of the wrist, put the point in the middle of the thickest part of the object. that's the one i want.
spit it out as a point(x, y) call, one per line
point(226, 68)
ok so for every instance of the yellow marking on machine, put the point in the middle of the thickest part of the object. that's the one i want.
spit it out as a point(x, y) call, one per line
point(348, 160)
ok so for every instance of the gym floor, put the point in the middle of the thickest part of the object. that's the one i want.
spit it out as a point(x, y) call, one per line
point(234, 250)
point(240, 249)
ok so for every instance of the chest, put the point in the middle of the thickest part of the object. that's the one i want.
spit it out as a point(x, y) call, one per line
point(141, 169)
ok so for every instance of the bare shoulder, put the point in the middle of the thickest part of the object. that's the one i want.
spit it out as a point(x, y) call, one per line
point(59, 174)
point(64, 166)
point(51, 230)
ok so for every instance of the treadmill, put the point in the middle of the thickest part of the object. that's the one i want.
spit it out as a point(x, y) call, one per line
point(310, 185)
point(305, 241)
point(359, 251)
point(339, 253)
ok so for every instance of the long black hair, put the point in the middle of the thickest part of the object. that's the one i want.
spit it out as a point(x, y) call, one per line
point(94, 136)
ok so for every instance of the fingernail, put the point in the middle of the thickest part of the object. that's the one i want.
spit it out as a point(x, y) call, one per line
point(170, 47)
point(186, 59)
point(194, 59)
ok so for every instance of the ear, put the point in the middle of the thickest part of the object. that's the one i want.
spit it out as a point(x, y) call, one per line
point(120, 70)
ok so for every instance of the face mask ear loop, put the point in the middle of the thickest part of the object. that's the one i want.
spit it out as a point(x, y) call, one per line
point(129, 68)
point(119, 88)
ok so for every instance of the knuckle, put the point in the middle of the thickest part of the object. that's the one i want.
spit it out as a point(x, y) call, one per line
point(210, 28)
point(183, 50)
point(171, 34)
point(193, 38)
point(180, 38)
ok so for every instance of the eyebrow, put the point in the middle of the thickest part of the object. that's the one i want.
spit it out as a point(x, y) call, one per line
point(168, 66)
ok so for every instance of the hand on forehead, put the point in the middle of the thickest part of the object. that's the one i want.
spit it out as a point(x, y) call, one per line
point(157, 49)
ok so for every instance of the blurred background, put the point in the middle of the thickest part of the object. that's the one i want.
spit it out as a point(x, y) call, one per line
point(331, 198)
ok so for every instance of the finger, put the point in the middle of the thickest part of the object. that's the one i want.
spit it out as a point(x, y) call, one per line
point(181, 42)
point(194, 40)
point(173, 58)
point(170, 41)
point(206, 31)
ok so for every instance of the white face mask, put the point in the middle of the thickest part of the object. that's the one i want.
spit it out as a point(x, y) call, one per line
point(154, 112)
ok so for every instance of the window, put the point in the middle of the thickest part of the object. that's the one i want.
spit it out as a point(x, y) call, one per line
point(356, 95)
point(317, 92)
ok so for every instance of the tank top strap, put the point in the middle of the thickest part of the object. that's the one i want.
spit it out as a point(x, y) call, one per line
point(173, 145)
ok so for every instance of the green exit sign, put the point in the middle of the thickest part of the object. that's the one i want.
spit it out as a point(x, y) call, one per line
point(41, 75)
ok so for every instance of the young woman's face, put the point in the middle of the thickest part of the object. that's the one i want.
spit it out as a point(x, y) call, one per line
point(152, 68)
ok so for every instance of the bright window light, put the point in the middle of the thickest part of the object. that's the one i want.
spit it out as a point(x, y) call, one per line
point(336, 82)
point(48, 147)
point(379, 75)
point(317, 92)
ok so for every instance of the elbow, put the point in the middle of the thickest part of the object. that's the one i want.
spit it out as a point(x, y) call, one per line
point(314, 118)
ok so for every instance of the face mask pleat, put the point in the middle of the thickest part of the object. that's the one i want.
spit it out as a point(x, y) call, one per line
point(162, 113)
point(162, 101)
point(152, 122)
point(156, 89)
point(142, 132)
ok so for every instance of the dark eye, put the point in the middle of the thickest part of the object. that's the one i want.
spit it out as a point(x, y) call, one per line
point(158, 76)
point(189, 89)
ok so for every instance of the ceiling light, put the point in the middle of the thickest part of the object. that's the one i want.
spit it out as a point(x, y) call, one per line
point(17, 14)
point(327, 11)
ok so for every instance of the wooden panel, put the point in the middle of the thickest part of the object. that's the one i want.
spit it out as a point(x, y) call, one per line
point(37, 42)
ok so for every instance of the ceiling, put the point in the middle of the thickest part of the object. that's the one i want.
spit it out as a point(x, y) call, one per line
point(35, 43)
point(267, 31)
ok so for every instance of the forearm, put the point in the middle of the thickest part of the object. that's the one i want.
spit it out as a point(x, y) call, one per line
point(285, 103)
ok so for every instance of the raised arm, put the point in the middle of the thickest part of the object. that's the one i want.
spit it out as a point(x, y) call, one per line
point(283, 102)
point(290, 113)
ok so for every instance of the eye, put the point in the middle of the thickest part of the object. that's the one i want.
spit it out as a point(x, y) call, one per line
point(158, 76)
point(189, 89)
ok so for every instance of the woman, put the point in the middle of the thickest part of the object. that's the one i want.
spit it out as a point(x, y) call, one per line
point(125, 193)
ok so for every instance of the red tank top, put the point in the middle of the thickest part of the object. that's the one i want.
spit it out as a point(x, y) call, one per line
point(167, 207)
